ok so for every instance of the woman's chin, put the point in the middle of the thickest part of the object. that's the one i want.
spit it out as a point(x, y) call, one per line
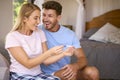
point(36, 28)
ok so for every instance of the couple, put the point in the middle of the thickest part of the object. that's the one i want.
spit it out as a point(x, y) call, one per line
point(50, 46)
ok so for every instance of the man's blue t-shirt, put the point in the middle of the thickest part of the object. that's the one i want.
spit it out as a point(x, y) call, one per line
point(63, 36)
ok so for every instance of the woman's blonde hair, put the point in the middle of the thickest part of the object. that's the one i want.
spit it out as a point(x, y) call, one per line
point(25, 11)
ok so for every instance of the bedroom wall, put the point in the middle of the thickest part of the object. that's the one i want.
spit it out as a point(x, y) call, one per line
point(5, 18)
point(95, 8)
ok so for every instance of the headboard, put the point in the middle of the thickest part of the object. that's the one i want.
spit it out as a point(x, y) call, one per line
point(112, 17)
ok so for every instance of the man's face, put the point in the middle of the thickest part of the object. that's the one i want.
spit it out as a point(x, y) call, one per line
point(50, 19)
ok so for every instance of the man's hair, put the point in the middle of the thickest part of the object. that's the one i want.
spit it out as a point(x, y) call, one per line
point(53, 5)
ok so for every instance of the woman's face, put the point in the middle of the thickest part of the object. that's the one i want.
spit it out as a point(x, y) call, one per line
point(31, 23)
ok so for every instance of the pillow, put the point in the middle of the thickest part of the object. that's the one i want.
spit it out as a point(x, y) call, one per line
point(107, 33)
point(90, 32)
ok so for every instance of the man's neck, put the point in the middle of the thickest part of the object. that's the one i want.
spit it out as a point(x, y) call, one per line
point(55, 29)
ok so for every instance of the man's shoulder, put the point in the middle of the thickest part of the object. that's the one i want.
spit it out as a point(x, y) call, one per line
point(40, 26)
point(68, 27)
point(65, 29)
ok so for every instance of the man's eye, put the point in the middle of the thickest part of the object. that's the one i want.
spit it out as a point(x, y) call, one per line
point(51, 16)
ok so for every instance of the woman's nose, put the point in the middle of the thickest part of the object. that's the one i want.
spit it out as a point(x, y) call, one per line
point(38, 21)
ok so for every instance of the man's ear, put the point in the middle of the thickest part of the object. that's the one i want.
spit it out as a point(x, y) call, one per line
point(59, 17)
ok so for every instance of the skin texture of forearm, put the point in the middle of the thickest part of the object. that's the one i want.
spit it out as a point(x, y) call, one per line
point(81, 63)
point(20, 55)
point(57, 57)
point(70, 70)
point(38, 60)
point(53, 59)
point(81, 59)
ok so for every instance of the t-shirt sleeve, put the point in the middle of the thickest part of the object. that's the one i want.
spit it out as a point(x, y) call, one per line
point(43, 37)
point(11, 41)
point(76, 42)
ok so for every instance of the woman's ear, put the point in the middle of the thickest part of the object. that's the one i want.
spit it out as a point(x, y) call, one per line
point(25, 19)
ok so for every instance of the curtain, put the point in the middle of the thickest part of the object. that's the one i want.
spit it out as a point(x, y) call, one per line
point(39, 4)
point(80, 20)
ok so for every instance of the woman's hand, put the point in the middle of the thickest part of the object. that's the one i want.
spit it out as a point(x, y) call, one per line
point(69, 51)
point(56, 50)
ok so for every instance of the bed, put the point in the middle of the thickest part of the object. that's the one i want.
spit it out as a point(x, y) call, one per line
point(104, 55)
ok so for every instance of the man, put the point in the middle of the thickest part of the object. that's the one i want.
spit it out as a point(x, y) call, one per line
point(59, 35)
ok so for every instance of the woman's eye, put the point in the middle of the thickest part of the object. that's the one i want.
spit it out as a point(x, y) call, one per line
point(35, 18)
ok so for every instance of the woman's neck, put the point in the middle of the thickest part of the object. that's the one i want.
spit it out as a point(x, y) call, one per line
point(26, 32)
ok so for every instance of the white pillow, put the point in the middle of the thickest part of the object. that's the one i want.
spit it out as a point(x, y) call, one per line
point(107, 33)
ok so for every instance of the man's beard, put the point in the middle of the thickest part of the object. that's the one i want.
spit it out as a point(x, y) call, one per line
point(50, 26)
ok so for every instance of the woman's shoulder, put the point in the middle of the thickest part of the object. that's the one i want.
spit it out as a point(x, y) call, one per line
point(39, 31)
point(13, 33)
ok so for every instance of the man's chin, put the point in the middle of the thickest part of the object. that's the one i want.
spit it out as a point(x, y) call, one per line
point(47, 27)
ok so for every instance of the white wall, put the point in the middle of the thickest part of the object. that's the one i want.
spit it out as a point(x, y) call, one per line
point(5, 18)
point(95, 8)
point(69, 12)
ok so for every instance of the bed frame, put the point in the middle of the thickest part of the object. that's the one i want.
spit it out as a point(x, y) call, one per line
point(104, 56)
point(112, 17)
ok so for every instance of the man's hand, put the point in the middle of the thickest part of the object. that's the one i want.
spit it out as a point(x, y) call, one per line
point(70, 72)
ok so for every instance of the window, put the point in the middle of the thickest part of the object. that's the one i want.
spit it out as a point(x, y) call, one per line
point(17, 5)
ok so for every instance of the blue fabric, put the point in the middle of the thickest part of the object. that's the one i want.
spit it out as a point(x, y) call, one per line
point(42, 76)
point(64, 37)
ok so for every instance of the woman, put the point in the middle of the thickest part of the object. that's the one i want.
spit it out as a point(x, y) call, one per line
point(27, 47)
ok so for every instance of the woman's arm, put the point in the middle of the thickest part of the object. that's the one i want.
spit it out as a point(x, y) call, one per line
point(20, 55)
point(55, 58)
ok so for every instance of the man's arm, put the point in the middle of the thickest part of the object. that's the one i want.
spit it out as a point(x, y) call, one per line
point(81, 59)
point(70, 71)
